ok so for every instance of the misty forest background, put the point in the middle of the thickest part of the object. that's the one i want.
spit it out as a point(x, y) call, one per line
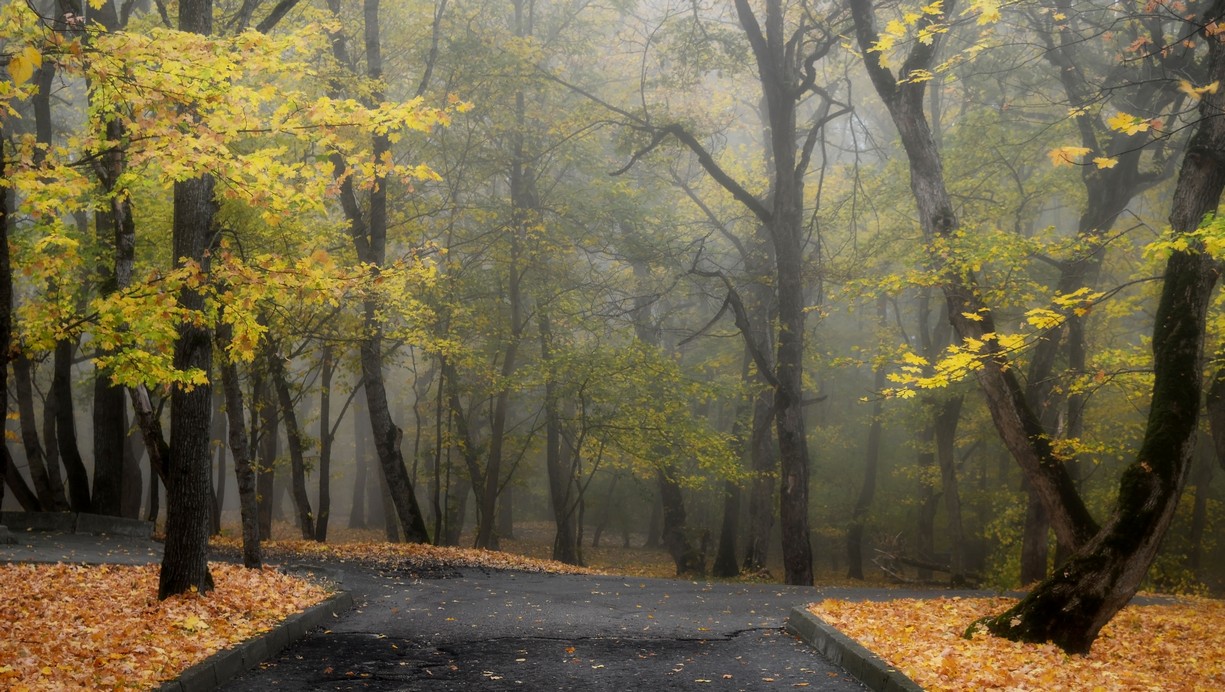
point(580, 314)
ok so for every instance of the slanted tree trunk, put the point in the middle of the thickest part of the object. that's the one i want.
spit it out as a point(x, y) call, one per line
point(297, 451)
point(66, 427)
point(368, 231)
point(133, 480)
point(1019, 427)
point(244, 469)
point(48, 485)
point(1071, 606)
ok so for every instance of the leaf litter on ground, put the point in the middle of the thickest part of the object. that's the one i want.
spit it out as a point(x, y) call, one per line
point(1179, 645)
point(101, 627)
point(77, 626)
point(407, 556)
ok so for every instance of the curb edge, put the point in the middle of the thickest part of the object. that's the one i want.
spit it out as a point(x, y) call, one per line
point(867, 667)
point(229, 663)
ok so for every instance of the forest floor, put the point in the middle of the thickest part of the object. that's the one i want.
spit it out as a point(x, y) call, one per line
point(101, 626)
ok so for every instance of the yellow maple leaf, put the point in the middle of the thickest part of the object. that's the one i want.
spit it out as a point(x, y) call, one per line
point(23, 63)
point(1197, 92)
point(1104, 162)
point(1127, 123)
point(1066, 155)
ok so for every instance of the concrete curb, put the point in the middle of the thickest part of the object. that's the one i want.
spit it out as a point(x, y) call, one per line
point(227, 664)
point(76, 522)
point(840, 649)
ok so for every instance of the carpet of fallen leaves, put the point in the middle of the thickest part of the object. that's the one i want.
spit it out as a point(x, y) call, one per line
point(93, 627)
point(407, 556)
point(1170, 646)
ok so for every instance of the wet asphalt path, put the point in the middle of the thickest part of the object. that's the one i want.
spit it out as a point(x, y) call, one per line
point(520, 631)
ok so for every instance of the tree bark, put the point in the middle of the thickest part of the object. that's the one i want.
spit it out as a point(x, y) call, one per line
point(1070, 607)
point(217, 437)
point(115, 229)
point(781, 81)
point(6, 310)
point(369, 234)
point(946, 421)
point(189, 484)
point(189, 488)
point(133, 479)
point(1035, 551)
point(244, 470)
point(325, 445)
point(66, 427)
point(48, 485)
point(687, 558)
point(361, 466)
point(17, 483)
point(726, 566)
point(265, 426)
point(297, 453)
point(1201, 477)
point(561, 481)
point(871, 461)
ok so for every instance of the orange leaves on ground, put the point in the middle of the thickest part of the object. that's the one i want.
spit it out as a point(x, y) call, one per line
point(73, 626)
point(1174, 646)
point(406, 555)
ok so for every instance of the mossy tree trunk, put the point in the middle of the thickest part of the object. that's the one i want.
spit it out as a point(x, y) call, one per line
point(1070, 607)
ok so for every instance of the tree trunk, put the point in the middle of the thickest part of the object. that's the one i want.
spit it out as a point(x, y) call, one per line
point(1018, 426)
point(369, 234)
point(687, 558)
point(21, 490)
point(266, 429)
point(189, 487)
point(947, 418)
point(1070, 607)
point(1202, 474)
point(6, 311)
point(325, 445)
point(867, 491)
point(297, 453)
point(764, 484)
point(726, 566)
point(66, 427)
point(457, 509)
point(217, 437)
point(46, 477)
point(779, 78)
point(244, 470)
point(561, 481)
point(361, 465)
point(150, 425)
point(133, 480)
point(1035, 550)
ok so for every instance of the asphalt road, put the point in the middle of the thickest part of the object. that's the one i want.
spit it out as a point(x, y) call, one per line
point(520, 631)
